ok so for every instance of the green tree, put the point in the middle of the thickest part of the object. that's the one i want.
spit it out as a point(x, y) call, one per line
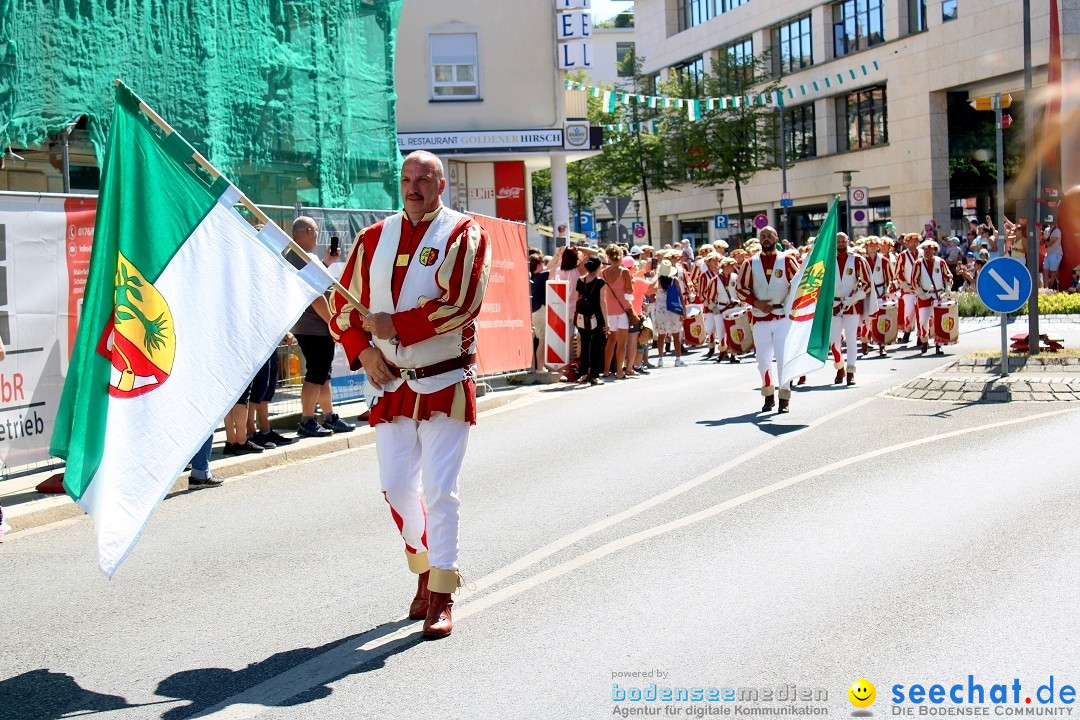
point(726, 145)
point(584, 184)
point(635, 159)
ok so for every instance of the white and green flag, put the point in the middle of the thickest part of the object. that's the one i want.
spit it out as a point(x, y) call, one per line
point(810, 305)
point(184, 302)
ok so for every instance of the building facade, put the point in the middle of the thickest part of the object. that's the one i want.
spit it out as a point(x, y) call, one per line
point(906, 64)
point(480, 85)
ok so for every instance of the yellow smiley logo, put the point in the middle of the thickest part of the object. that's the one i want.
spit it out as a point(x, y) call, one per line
point(862, 693)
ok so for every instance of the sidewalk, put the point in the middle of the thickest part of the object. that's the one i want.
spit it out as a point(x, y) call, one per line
point(24, 508)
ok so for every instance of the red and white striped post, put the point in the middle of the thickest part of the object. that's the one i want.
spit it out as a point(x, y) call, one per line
point(557, 337)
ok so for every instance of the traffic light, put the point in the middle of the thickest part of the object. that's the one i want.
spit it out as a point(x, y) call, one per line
point(986, 102)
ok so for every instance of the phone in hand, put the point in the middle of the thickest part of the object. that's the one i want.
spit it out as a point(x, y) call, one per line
point(335, 245)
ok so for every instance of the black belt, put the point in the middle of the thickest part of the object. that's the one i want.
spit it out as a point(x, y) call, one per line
point(458, 363)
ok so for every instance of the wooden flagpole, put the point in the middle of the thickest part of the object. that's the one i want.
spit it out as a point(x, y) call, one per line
point(252, 207)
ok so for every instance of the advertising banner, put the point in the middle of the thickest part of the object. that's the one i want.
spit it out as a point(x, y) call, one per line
point(510, 191)
point(504, 326)
point(44, 257)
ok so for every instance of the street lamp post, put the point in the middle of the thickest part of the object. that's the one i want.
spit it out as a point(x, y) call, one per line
point(783, 172)
point(846, 174)
point(720, 206)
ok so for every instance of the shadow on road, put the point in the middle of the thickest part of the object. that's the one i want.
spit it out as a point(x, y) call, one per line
point(205, 688)
point(46, 695)
point(763, 421)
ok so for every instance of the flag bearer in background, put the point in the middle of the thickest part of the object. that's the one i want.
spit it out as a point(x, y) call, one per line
point(765, 283)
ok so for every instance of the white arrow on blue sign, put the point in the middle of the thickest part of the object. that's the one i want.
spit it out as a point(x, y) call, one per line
point(1004, 285)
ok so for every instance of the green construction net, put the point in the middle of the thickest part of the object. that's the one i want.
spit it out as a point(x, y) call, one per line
point(292, 99)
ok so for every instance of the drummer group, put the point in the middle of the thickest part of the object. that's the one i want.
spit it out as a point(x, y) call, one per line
point(882, 288)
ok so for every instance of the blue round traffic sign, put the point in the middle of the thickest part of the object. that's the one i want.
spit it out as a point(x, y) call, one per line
point(761, 220)
point(1004, 285)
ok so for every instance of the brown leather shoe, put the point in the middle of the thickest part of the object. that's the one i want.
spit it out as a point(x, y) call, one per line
point(851, 378)
point(418, 609)
point(439, 622)
point(839, 377)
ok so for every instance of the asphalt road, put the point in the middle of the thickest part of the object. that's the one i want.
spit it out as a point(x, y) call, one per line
point(656, 525)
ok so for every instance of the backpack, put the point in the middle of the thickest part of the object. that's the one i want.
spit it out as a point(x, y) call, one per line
point(674, 299)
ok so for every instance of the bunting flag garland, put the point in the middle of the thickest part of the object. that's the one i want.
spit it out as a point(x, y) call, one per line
point(611, 99)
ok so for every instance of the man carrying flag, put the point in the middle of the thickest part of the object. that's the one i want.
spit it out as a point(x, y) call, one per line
point(423, 273)
point(810, 305)
point(167, 337)
point(765, 283)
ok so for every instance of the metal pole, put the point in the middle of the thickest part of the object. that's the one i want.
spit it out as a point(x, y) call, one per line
point(783, 172)
point(1029, 199)
point(65, 156)
point(847, 213)
point(1001, 224)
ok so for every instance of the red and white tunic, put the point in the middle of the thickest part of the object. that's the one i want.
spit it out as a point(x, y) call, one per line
point(716, 293)
point(881, 275)
point(905, 270)
point(767, 277)
point(431, 277)
point(931, 278)
point(852, 284)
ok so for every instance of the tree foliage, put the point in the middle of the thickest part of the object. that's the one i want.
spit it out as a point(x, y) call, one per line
point(727, 145)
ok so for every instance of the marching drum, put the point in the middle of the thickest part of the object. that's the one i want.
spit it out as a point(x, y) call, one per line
point(946, 322)
point(883, 323)
point(738, 330)
point(694, 326)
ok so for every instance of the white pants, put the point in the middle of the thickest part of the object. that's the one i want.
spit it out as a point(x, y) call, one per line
point(926, 317)
point(714, 325)
point(417, 458)
point(769, 340)
point(849, 326)
point(907, 320)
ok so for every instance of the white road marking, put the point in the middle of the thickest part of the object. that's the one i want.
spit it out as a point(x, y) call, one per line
point(574, 537)
point(344, 658)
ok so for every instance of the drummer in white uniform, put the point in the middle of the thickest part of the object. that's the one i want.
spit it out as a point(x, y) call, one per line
point(906, 262)
point(849, 297)
point(930, 281)
point(882, 284)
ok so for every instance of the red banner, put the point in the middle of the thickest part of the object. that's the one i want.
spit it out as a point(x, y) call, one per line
point(504, 327)
point(79, 236)
point(510, 191)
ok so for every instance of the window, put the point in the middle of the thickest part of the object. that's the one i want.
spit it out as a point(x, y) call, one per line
point(794, 47)
point(453, 67)
point(916, 16)
point(652, 84)
point(741, 58)
point(799, 138)
point(866, 119)
point(857, 25)
point(948, 10)
point(723, 6)
point(692, 74)
point(694, 12)
point(624, 59)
